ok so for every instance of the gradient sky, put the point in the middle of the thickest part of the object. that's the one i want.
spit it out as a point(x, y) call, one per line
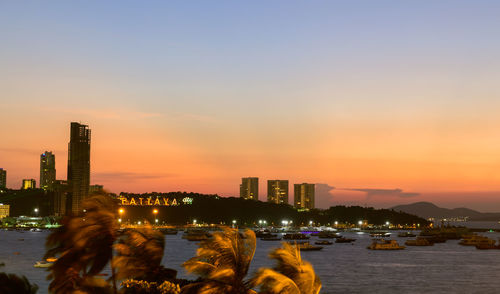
point(365, 96)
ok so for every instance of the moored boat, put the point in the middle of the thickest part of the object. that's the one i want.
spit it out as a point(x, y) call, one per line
point(406, 235)
point(473, 240)
point(323, 242)
point(295, 236)
point(42, 264)
point(380, 234)
point(344, 240)
point(419, 242)
point(385, 245)
point(306, 246)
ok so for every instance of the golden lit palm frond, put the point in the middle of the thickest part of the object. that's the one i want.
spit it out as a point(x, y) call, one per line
point(223, 262)
point(273, 282)
point(83, 245)
point(138, 252)
point(291, 266)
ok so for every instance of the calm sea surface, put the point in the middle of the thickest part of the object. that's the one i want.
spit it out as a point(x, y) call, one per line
point(343, 268)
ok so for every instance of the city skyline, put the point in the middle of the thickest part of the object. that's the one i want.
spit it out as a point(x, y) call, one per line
point(333, 94)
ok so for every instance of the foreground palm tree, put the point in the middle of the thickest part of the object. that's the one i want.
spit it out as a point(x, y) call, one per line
point(222, 263)
point(291, 275)
point(83, 246)
point(139, 253)
point(13, 284)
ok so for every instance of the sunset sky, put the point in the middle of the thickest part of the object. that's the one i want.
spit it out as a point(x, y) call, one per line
point(378, 102)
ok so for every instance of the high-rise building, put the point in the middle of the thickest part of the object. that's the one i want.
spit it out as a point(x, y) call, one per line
point(59, 204)
point(304, 196)
point(3, 178)
point(78, 165)
point(4, 210)
point(95, 189)
point(277, 191)
point(47, 171)
point(28, 184)
point(249, 188)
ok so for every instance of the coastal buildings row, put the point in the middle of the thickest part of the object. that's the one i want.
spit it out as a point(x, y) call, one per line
point(67, 195)
point(277, 192)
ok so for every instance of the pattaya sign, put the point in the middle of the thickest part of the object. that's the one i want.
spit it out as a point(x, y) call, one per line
point(154, 201)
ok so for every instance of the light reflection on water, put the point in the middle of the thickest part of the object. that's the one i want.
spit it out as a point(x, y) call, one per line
point(343, 268)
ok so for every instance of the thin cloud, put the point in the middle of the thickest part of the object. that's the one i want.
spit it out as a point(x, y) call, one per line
point(370, 193)
point(116, 114)
point(128, 176)
point(323, 195)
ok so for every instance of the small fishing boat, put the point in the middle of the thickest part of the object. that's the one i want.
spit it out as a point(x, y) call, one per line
point(305, 246)
point(406, 235)
point(324, 242)
point(42, 264)
point(344, 240)
point(385, 245)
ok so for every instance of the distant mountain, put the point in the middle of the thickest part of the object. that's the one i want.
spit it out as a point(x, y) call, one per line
point(427, 210)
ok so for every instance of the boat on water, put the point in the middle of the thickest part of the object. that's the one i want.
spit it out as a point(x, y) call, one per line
point(295, 236)
point(328, 235)
point(473, 240)
point(323, 242)
point(419, 242)
point(487, 246)
point(43, 264)
point(385, 245)
point(271, 239)
point(344, 240)
point(196, 235)
point(406, 235)
point(380, 234)
point(306, 246)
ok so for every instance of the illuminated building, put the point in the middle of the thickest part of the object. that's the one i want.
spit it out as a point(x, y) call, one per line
point(249, 188)
point(78, 165)
point(3, 178)
point(95, 189)
point(304, 196)
point(277, 191)
point(4, 210)
point(47, 171)
point(59, 203)
point(28, 184)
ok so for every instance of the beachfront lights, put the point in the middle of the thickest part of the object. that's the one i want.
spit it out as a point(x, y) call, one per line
point(311, 222)
point(387, 223)
point(194, 221)
point(360, 223)
point(156, 220)
point(336, 223)
point(138, 223)
point(155, 211)
point(36, 210)
point(119, 220)
point(234, 221)
point(121, 210)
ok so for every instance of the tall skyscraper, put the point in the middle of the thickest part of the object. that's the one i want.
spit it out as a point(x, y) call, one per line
point(28, 184)
point(47, 171)
point(3, 178)
point(249, 188)
point(78, 165)
point(277, 191)
point(304, 196)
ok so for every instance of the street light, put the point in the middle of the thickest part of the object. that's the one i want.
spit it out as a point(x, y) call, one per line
point(155, 213)
point(360, 223)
